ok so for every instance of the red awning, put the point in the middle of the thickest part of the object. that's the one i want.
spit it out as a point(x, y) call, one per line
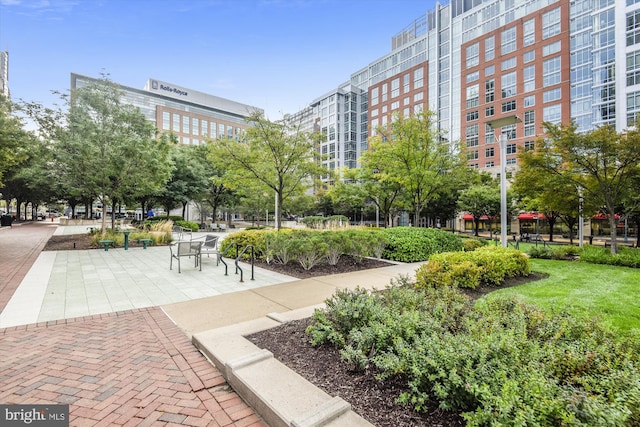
point(469, 217)
point(531, 216)
point(603, 216)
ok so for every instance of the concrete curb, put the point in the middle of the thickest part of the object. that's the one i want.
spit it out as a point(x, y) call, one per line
point(278, 394)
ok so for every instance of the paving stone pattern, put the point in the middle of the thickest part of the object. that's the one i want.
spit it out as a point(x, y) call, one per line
point(133, 368)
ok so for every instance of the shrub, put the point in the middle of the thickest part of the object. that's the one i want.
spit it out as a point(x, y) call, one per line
point(486, 265)
point(471, 244)
point(187, 224)
point(279, 247)
point(336, 246)
point(502, 362)
point(255, 238)
point(412, 244)
point(323, 222)
point(626, 257)
point(310, 251)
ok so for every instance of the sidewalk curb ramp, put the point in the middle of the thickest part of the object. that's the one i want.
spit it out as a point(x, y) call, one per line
point(278, 394)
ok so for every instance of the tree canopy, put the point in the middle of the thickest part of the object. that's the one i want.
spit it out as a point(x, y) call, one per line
point(280, 155)
point(602, 165)
point(411, 154)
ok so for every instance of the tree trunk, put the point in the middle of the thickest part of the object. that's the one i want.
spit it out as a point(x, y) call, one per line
point(476, 223)
point(614, 234)
point(551, 220)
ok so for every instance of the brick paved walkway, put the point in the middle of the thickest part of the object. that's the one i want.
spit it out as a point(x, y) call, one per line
point(133, 368)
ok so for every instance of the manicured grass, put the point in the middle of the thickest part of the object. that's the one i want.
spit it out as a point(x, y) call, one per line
point(610, 293)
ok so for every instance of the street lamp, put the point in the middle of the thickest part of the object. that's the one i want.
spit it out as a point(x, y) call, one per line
point(495, 124)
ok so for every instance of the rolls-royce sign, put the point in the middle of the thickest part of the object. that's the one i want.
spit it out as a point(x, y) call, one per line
point(155, 85)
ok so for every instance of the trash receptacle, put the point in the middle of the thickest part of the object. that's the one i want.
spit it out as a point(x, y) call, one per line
point(6, 220)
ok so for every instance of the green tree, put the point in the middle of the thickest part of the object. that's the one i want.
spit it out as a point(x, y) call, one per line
point(481, 200)
point(602, 164)
point(109, 148)
point(550, 194)
point(278, 154)
point(188, 179)
point(381, 189)
point(13, 138)
point(411, 154)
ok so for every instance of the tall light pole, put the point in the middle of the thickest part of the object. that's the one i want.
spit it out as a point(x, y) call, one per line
point(495, 124)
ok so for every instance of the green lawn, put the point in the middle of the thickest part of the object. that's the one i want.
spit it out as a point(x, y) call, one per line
point(610, 293)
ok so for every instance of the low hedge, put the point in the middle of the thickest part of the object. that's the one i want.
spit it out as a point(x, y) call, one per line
point(489, 265)
point(626, 257)
point(308, 247)
point(413, 244)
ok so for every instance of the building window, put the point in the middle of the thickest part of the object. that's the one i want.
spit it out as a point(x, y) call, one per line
point(166, 120)
point(472, 115)
point(551, 23)
point(529, 78)
point(418, 78)
point(489, 48)
point(489, 111)
point(552, 95)
point(489, 164)
point(551, 48)
point(405, 83)
point(529, 32)
point(395, 105)
point(213, 130)
point(529, 101)
point(385, 92)
point(508, 41)
point(633, 27)
point(489, 152)
point(176, 122)
point(552, 114)
point(633, 68)
point(529, 123)
point(529, 56)
point(511, 148)
point(205, 128)
point(551, 72)
point(489, 91)
point(395, 88)
point(508, 63)
point(489, 136)
point(195, 126)
point(473, 55)
point(472, 77)
point(489, 70)
point(472, 96)
point(185, 124)
point(374, 96)
point(472, 155)
point(472, 135)
point(418, 96)
point(406, 100)
point(511, 161)
point(508, 84)
point(529, 145)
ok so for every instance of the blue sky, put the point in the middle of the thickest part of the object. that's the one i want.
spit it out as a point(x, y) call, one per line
point(274, 54)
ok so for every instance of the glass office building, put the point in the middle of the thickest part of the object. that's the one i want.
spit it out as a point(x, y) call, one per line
point(190, 115)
